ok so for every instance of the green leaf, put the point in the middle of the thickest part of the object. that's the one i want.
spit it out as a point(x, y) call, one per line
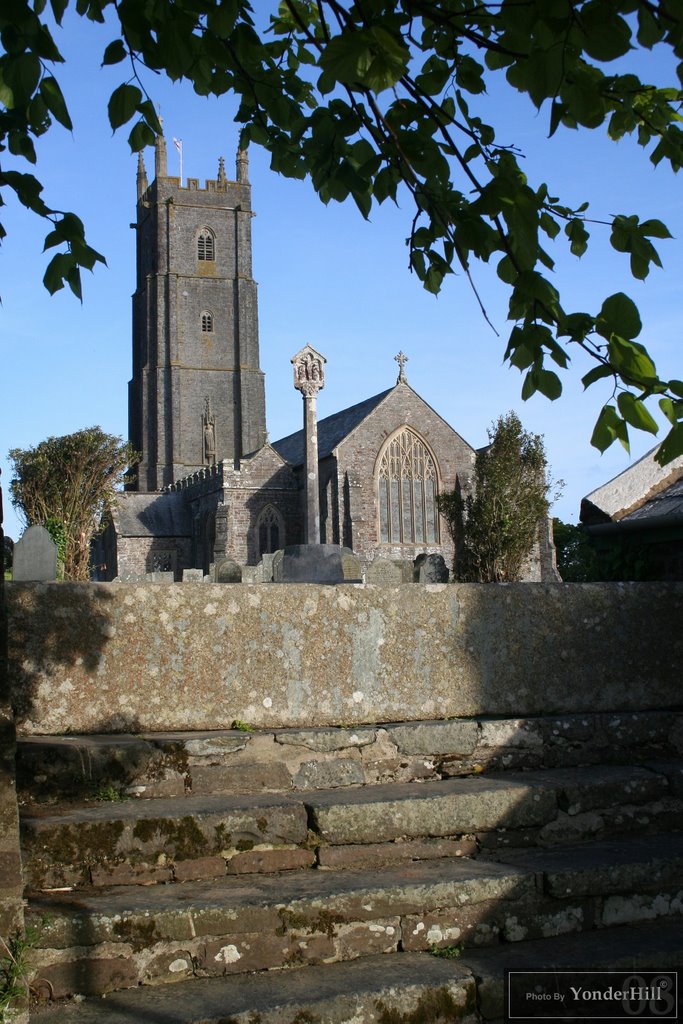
point(655, 229)
point(56, 271)
point(114, 53)
point(597, 373)
point(576, 232)
point(608, 428)
point(123, 103)
point(58, 8)
point(54, 99)
point(631, 361)
point(635, 413)
point(549, 384)
point(606, 35)
point(667, 407)
point(529, 386)
point(140, 136)
point(21, 75)
point(619, 315)
point(672, 446)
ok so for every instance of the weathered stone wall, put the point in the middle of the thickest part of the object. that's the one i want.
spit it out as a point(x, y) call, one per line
point(135, 657)
point(357, 458)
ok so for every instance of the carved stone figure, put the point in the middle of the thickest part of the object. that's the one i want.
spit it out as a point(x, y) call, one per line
point(209, 421)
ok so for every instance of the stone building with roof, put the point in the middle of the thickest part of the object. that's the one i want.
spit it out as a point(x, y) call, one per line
point(209, 485)
point(635, 521)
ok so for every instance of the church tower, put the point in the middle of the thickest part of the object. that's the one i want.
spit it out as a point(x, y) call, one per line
point(197, 392)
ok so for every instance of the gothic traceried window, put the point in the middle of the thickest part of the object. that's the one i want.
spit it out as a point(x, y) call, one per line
point(207, 322)
point(205, 245)
point(407, 490)
point(270, 531)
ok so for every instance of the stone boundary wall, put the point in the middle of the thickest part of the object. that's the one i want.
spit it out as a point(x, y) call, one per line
point(139, 657)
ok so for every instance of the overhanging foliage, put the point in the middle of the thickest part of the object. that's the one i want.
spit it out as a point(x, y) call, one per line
point(367, 99)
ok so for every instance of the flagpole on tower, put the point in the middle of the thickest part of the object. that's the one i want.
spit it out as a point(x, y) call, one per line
point(178, 143)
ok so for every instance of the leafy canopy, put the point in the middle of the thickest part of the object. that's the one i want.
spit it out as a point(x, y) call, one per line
point(495, 527)
point(375, 98)
point(66, 484)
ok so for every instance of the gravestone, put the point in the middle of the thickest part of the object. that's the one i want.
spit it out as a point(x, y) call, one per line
point(276, 566)
point(430, 569)
point(35, 556)
point(384, 573)
point(160, 576)
point(267, 568)
point(316, 563)
point(193, 575)
point(227, 571)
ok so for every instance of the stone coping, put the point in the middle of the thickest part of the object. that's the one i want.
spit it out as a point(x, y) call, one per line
point(135, 657)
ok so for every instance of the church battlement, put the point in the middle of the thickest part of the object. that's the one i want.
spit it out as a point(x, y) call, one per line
point(202, 482)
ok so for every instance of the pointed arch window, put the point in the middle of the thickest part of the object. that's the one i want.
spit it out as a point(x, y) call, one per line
point(207, 322)
point(206, 249)
point(270, 531)
point(407, 489)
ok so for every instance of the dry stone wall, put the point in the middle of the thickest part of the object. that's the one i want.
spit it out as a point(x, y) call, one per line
point(135, 657)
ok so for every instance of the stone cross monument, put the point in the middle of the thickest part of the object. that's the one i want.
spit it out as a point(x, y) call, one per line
point(309, 379)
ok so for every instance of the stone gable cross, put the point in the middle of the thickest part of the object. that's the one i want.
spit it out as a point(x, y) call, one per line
point(401, 359)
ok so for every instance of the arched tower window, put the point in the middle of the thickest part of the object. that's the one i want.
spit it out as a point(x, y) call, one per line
point(205, 245)
point(207, 322)
point(407, 482)
point(270, 530)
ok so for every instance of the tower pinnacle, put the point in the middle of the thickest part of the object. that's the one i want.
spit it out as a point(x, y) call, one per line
point(243, 166)
point(141, 177)
point(160, 166)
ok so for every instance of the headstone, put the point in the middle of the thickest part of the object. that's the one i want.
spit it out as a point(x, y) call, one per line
point(35, 556)
point(384, 573)
point(193, 575)
point(430, 569)
point(227, 571)
point(351, 568)
point(160, 576)
point(276, 565)
point(267, 568)
point(316, 563)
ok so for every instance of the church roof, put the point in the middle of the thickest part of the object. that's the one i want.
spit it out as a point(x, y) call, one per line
point(666, 505)
point(331, 431)
point(152, 515)
point(630, 490)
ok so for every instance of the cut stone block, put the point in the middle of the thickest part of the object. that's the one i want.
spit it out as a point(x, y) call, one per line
point(448, 808)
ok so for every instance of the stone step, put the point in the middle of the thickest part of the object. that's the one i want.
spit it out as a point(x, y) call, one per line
point(409, 987)
point(633, 948)
point(127, 936)
point(51, 768)
point(129, 840)
point(165, 839)
point(376, 990)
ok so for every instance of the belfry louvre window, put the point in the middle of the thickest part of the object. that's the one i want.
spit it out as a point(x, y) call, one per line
point(205, 246)
point(407, 484)
point(207, 323)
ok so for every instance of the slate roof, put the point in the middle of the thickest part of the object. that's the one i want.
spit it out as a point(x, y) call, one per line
point(331, 431)
point(667, 504)
point(631, 490)
point(152, 515)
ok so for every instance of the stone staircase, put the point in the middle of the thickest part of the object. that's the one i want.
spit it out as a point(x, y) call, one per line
point(239, 877)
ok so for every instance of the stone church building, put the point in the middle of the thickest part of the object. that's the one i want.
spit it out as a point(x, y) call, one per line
point(209, 485)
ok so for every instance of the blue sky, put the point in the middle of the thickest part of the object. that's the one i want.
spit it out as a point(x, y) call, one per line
point(325, 277)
